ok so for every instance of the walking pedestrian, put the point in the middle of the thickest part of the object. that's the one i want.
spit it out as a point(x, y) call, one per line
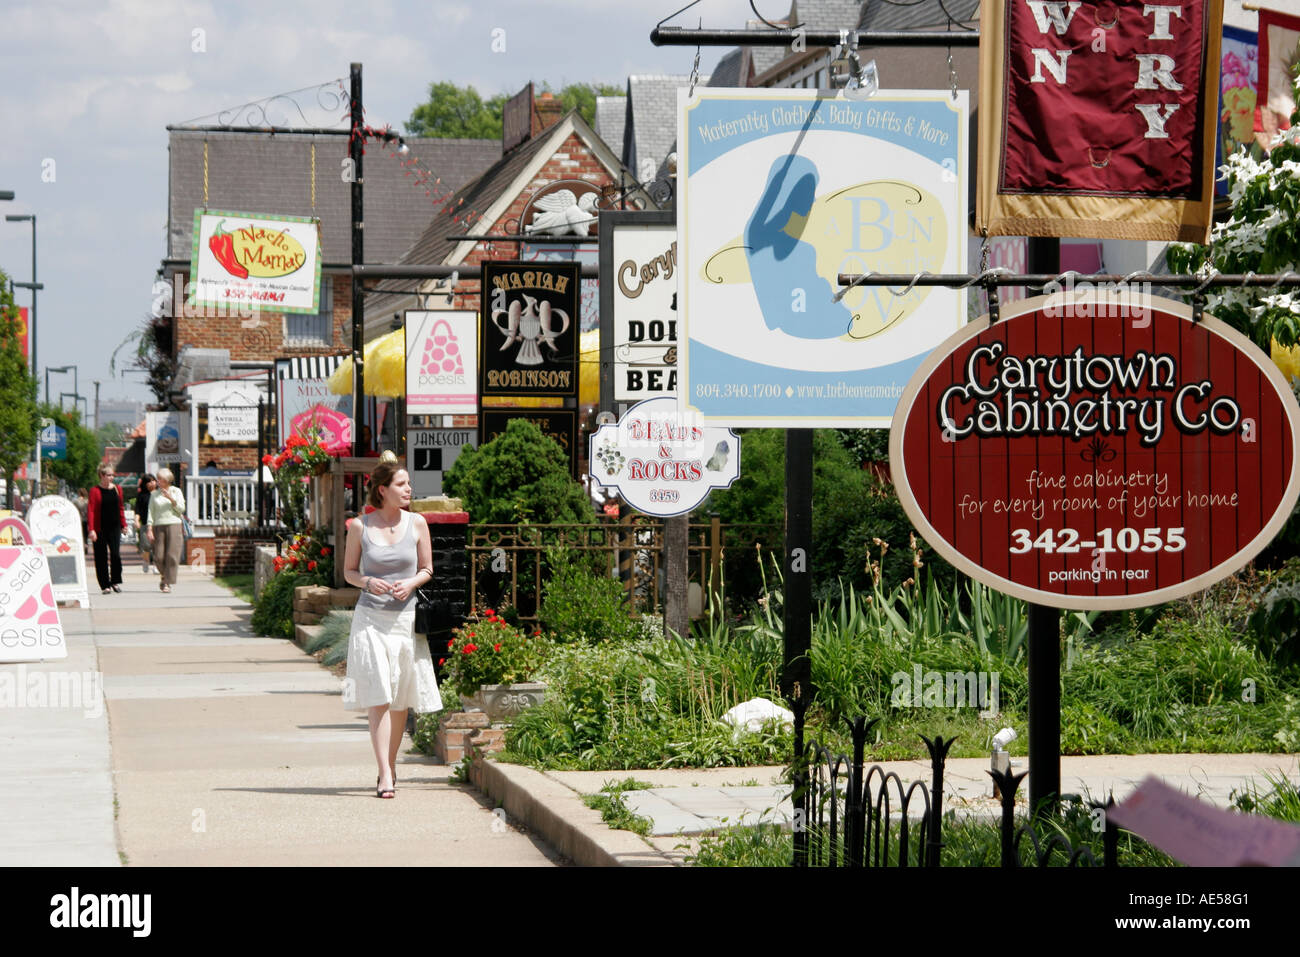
point(143, 489)
point(166, 533)
point(106, 518)
point(388, 556)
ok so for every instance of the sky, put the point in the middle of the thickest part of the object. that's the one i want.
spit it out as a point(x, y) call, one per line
point(87, 90)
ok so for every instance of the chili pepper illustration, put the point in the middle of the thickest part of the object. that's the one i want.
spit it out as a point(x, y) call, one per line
point(222, 245)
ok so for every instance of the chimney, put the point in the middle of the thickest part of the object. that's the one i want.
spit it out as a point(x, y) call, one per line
point(548, 110)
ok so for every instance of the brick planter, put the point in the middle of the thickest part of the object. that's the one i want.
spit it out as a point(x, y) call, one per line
point(461, 732)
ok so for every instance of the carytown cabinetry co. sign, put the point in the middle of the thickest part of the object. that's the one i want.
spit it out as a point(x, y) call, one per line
point(1093, 453)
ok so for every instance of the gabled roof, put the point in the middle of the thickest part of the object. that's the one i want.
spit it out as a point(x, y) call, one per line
point(271, 173)
point(730, 71)
point(489, 195)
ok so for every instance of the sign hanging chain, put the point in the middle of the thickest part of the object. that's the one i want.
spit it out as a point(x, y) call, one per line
point(695, 67)
point(313, 176)
point(952, 75)
point(205, 174)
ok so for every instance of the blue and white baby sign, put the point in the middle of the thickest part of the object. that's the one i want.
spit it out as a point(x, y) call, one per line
point(778, 192)
point(663, 462)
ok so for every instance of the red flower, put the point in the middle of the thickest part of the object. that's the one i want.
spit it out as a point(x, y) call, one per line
point(469, 649)
point(267, 459)
point(496, 647)
point(450, 643)
point(441, 662)
point(325, 551)
point(311, 566)
point(489, 612)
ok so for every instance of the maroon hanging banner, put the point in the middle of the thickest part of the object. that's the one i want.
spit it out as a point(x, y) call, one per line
point(1097, 119)
point(1094, 452)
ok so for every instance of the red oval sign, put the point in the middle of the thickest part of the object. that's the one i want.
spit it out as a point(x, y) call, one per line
point(1085, 453)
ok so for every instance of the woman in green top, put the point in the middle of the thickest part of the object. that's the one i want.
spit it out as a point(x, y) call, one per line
point(166, 509)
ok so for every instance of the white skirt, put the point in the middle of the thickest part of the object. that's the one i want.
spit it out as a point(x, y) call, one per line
point(388, 664)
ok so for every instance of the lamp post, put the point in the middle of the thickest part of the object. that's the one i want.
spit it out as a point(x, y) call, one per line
point(32, 327)
point(49, 369)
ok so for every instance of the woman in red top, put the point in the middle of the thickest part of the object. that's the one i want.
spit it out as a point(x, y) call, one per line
point(106, 518)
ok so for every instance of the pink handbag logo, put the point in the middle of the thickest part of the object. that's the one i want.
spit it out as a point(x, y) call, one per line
point(442, 355)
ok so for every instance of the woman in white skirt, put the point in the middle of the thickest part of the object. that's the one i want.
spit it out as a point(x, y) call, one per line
point(389, 670)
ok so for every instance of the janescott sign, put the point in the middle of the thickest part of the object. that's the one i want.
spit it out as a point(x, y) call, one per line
point(1091, 452)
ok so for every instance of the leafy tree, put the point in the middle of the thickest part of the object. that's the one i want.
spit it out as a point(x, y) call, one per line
point(520, 476)
point(453, 112)
point(81, 466)
point(19, 422)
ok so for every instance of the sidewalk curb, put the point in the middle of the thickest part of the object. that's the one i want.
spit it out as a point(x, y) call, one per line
point(556, 814)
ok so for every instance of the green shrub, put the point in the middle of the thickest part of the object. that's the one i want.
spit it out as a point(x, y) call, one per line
point(520, 476)
point(580, 606)
point(273, 614)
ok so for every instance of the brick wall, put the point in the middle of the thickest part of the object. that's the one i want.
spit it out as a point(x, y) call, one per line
point(262, 337)
point(233, 550)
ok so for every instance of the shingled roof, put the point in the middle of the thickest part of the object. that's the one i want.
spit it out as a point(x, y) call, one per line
point(652, 118)
point(271, 173)
point(878, 15)
point(611, 115)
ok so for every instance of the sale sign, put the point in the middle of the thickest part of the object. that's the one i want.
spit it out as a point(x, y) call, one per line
point(29, 618)
point(1097, 452)
point(1097, 118)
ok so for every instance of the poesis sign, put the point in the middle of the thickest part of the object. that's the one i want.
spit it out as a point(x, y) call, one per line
point(1097, 453)
point(441, 363)
point(661, 461)
point(269, 262)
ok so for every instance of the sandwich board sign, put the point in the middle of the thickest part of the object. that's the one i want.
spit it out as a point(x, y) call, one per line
point(56, 527)
point(29, 616)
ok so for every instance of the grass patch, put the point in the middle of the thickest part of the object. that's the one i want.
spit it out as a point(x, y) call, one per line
point(614, 812)
point(241, 585)
point(1281, 801)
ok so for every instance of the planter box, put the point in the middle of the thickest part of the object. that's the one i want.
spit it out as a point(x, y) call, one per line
point(504, 702)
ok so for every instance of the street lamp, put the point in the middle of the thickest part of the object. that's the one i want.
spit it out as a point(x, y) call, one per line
point(32, 327)
point(49, 369)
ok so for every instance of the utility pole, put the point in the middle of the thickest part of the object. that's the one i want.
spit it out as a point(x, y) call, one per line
point(96, 405)
point(356, 147)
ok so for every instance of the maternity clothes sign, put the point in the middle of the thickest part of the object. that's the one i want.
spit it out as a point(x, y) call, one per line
point(441, 369)
point(29, 616)
point(1097, 118)
point(56, 527)
point(661, 461)
point(430, 453)
point(1097, 452)
point(638, 292)
point(778, 192)
point(529, 329)
point(256, 262)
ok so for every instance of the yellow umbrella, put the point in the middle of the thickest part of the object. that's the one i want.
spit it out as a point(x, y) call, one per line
point(385, 360)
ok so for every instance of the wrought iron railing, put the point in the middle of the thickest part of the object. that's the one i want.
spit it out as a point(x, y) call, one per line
point(507, 564)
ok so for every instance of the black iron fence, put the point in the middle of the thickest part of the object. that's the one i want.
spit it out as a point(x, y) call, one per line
point(507, 562)
point(847, 814)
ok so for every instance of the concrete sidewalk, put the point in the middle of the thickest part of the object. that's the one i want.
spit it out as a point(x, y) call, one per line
point(219, 747)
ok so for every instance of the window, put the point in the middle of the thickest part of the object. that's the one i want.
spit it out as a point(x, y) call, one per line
point(317, 329)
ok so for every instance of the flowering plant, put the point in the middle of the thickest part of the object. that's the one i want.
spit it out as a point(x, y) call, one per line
point(490, 651)
point(301, 457)
point(308, 554)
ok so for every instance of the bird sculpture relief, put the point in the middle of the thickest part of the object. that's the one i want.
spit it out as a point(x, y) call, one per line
point(718, 461)
point(561, 213)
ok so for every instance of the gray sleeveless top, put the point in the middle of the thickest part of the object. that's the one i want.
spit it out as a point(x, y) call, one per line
point(390, 563)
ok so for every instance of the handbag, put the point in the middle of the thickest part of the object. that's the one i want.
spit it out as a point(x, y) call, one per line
point(431, 614)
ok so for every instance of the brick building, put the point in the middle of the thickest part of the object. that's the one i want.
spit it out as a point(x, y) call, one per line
point(225, 358)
